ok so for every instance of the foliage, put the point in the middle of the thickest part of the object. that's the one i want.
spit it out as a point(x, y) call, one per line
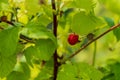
point(79, 71)
point(30, 49)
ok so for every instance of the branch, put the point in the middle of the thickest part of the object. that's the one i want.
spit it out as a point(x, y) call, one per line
point(56, 63)
point(9, 22)
point(93, 40)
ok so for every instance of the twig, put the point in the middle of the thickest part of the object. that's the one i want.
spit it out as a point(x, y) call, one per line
point(9, 22)
point(87, 44)
point(26, 38)
point(56, 64)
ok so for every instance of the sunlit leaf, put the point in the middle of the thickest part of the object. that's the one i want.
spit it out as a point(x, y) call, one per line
point(79, 71)
point(32, 6)
point(88, 72)
point(36, 30)
point(109, 5)
point(44, 20)
point(5, 7)
point(67, 72)
point(85, 4)
point(84, 23)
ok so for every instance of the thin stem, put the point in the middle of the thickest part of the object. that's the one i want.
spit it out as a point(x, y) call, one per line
point(94, 53)
point(87, 44)
point(56, 64)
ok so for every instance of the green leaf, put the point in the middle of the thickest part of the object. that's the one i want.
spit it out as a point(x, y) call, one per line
point(78, 71)
point(29, 53)
point(85, 4)
point(88, 72)
point(4, 6)
point(26, 69)
point(21, 72)
point(67, 72)
point(32, 6)
point(37, 31)
point(116, 70)
point(44, 75)
point(6, 65)
point(48, 10)
point(19, 48)
point(109, 4)
point(83, 23)
point(46, 42)
point(44, 20)
point(45, 48)
point(116, 32)
point(46, 72)
point(17, 76)
point(109, 21)
point(8, 41)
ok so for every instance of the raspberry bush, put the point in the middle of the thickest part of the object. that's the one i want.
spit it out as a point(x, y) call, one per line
point(59, 39)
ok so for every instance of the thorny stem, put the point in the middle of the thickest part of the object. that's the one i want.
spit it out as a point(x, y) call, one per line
point(93, 40)
point(56, 64)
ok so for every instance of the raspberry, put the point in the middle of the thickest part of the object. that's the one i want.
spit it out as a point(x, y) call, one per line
point(73, 39)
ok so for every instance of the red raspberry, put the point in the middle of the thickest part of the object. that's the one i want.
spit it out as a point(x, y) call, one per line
point(73, 39)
